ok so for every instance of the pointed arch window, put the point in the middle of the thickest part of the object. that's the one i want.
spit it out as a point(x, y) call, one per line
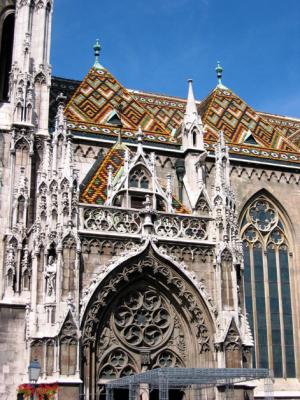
point(139, 179)
point(267, 286)
point(6, 50)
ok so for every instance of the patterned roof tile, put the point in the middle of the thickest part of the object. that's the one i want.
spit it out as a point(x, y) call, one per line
point(159, 116)
point(223, 110)
point(94, 188)
point(99, 94)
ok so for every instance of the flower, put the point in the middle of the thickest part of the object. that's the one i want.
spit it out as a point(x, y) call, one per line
point(26, 389)
point(48, 390)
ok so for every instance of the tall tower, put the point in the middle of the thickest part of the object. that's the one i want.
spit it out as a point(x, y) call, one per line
point(31, 72)
point(25, 78)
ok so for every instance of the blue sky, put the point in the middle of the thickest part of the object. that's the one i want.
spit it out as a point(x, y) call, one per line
point(156, 45)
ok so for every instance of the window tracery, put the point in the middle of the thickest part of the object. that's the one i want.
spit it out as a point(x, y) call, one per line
point(142, 330)
point(117, 364)
point(139, 179)
point(167, 359)
point(143, 320)
point(267, 286)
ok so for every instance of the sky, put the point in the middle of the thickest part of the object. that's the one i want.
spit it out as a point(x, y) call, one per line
point(156, 45)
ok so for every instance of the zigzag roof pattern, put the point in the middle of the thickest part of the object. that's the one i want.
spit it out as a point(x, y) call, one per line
point(290, 127)
point(99, 94)
point(159, 105)
point(224, 110)
point(160, 117)
point(169, 111)
point(94, 188)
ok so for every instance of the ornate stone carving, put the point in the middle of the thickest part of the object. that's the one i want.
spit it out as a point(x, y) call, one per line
point(263, 215)
point(111, 219)
point(118, 363)
point(50, 276)
point(68, 331)
point(10, 264)
point(180, 227)
point(108, 219)
point(175, 284)
point(143, 320)
point(167, 359)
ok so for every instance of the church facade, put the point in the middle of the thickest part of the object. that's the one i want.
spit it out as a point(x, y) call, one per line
point(140, 231)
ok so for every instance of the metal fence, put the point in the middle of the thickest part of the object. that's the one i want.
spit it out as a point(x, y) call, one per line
point(193, 383)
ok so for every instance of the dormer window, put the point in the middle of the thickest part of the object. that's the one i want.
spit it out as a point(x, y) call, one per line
point(139, 179)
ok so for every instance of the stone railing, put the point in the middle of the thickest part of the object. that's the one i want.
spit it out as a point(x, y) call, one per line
point(111, 219)
point(114, 220)
point(173, 226)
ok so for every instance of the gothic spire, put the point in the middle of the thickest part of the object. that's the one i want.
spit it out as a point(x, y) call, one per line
point(192, 128)
point(191, 113)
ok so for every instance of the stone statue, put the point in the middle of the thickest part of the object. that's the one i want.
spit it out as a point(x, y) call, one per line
point(50, 275)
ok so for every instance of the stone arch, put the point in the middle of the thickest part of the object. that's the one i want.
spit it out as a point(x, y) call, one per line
point(264, 193)
point(147, 305)
point(140, 177)
point(268, 238)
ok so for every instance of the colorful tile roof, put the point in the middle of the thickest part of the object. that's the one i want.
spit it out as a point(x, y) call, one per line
point(94, 189)
point(99, 94)
point(224, 110)
point(290, 127)
point(169, 111)
point(160, 116)
point(287, 125)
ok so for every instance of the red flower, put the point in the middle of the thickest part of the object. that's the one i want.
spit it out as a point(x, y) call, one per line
point(26, 389)
point(48, 390)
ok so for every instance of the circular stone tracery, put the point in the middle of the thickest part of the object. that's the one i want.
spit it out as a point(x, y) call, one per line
point(142, 320)
point(263, 215)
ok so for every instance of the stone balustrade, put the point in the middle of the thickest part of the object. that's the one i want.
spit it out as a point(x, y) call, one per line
point(130, 222)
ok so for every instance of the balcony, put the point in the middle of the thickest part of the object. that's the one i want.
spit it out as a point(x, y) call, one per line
point(131, 223)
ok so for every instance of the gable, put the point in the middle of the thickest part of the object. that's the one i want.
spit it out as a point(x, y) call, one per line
point(99, 95)
point(225, 111)
point(94, 187)
point(94, 190)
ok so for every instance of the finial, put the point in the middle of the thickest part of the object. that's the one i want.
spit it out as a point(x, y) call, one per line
point(61, 98)
point(219, 71)
point(140, 134)
point(97, 48)
point(119, 136)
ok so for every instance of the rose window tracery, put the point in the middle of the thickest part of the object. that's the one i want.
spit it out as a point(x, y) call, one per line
point(263, 215)
point(143, 319)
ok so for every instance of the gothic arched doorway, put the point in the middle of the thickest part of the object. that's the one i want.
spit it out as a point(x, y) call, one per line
point(144, 315)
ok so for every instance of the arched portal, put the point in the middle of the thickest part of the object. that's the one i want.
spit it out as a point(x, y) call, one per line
point(144, 315)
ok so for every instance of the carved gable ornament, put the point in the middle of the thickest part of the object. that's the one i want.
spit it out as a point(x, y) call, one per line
point(149, 270)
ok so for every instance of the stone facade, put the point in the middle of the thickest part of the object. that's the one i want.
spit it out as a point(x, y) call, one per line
point(132, 242)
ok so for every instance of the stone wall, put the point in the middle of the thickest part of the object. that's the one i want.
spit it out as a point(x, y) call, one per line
point(13, 359)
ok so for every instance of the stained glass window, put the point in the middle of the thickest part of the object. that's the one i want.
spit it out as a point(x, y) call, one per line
point(267, 287)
